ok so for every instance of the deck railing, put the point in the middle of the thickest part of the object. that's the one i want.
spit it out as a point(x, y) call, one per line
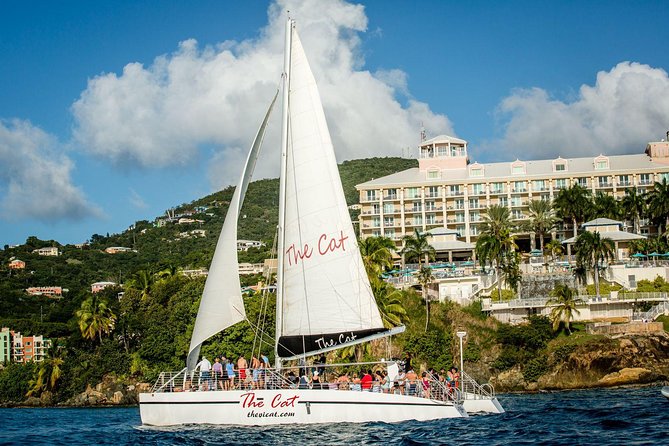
point(271, 379)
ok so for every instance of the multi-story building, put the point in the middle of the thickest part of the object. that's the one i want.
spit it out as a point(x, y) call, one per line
point(117, 249)
point(5, 345)
point(446, 190)
point(28, 348)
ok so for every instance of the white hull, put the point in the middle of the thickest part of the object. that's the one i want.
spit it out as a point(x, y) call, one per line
point(267, 407)
point(477, 404)
point(665, 392)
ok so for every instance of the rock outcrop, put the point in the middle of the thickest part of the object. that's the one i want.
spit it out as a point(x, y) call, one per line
point(610, 361)
point(111, 391)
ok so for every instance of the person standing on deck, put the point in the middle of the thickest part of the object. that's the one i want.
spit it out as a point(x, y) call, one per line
point(204, 366)
point(242, 365)
point(218, 373)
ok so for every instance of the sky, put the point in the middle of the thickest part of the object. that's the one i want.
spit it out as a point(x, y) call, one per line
point(114, 111)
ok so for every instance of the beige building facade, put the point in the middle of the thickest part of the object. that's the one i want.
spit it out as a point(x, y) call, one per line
point(446, 190)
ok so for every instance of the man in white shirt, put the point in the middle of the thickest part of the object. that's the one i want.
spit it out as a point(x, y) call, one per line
point(204, 367)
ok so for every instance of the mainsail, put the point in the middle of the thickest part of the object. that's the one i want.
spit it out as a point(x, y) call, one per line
point(326, 300)
point(222, 305)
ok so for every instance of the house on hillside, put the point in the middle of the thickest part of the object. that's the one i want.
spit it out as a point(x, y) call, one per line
point(117, 249)
point(99, 286)
point(48, 251)
point(244, 245)
point(17, 264)
point(51, 291)
point(609, 229)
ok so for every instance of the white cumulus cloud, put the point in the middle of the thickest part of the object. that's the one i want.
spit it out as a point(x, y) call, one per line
point(625, 108)
point(35, 177)
point(162, 114)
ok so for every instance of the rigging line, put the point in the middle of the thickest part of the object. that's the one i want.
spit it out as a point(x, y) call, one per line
point(258, 332)
point(265, 295)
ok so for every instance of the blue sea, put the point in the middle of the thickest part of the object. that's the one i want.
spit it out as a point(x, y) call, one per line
point(631, 416)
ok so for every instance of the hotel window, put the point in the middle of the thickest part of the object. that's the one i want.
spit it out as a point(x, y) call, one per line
point(663, 177)
point(433, 174)
point(476, 171)
point(388, 221)
point(412, 192)
point(433, 191)
point(644, 178)
point(560, 167)
point(390, 233)
point(561, 183)
point(417, 207)
point(460, 217)
point(504, 201)
point(388, 208)
point(430, 219)
point(497, 188)
point(473, 230)
point(582, 181)
point(391, 194)
point(429, 206)
point(474, 216)
point(601, 163)
point(516, 214)
point(623, 180)
point(418, 220)
point(376, 222)
point(442, 150)
point(477, 189)
point(455, 190)
point(473, 203)
point(539, 185)
point(371, 195)
point(519, 186)
point(460, 229)
point(517, 168)
point(515, 201)
point(376, 209)
point(459, 203)
point(376, 233)
point(603, 181)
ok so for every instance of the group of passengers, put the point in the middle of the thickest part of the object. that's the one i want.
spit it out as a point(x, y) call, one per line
point(223, 375)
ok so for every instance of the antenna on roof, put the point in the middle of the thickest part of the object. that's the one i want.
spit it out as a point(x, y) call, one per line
point(423, 135)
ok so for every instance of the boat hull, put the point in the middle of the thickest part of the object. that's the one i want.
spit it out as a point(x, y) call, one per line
point(477, 404)
point(268, 407)
point(665, 392)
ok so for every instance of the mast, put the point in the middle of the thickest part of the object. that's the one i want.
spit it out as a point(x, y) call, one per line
point(282, 187)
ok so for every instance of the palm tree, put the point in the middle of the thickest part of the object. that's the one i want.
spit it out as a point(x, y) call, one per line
point(573, 204)
point(606, 206)
point(95, 317)
point(496, 241)
point(634, 206)
point(566, 303)
point(142, 281)
point(658, 204)
point(542, 219)
point(417, 246)
point(377, 254)
point(591, 250)
point(555, 248)
point(389, 301)
point(425, 278)
point(48, 373)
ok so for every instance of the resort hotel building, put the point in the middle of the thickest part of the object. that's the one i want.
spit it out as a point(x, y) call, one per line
point(448, 196)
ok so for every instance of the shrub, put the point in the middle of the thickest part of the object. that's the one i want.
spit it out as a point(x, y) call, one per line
point(534, 368)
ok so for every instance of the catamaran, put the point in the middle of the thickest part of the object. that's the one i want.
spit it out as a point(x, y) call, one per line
point(324, 298)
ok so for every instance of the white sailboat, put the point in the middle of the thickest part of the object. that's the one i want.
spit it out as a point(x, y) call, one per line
point(324, 300)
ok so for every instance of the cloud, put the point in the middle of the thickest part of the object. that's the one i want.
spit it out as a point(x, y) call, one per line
point(627, 107)
point(162, 114)
point(35, 178)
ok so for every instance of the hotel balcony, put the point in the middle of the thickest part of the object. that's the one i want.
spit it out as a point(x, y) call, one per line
point(519, 189)
point(624, 183)
point(606, 184)
point(391, 197)
point(455, 193)
point(645, 182)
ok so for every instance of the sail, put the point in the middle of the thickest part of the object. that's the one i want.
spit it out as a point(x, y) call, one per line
point(222, 305)
point(326, 298)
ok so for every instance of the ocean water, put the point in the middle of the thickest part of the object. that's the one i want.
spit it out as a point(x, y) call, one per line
point(631, 416)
